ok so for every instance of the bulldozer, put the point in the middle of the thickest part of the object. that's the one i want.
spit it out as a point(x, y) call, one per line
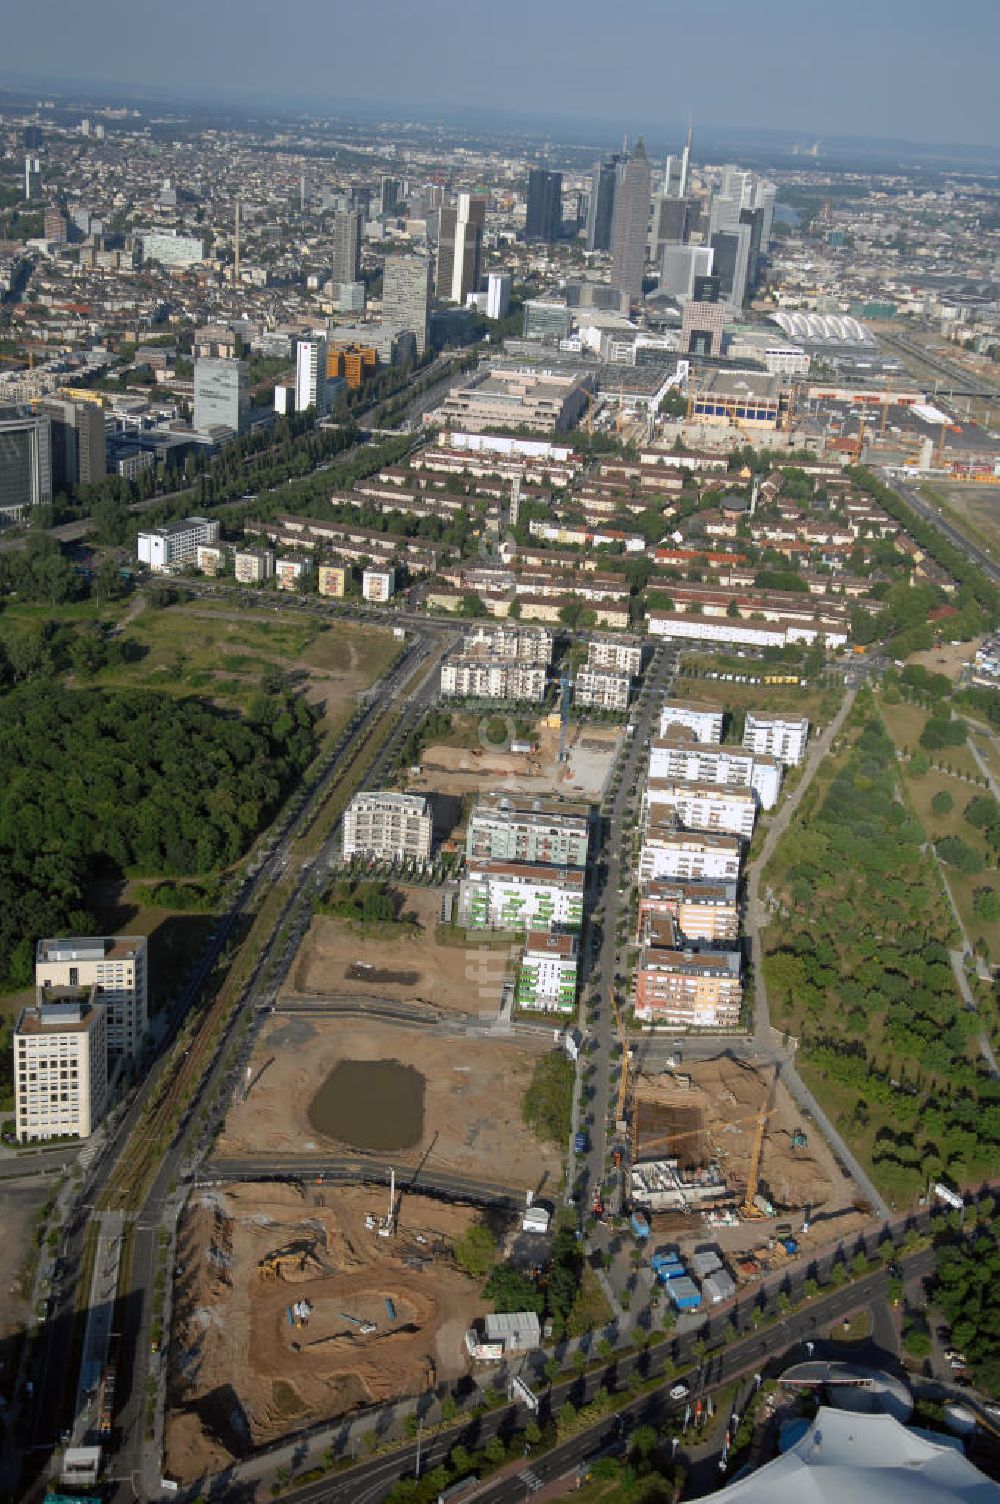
point(293, 1255)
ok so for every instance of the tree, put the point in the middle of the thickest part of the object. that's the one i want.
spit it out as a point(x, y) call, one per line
point(986, 904)
point(954, 851)
point(942, 803)
point(476, 1250)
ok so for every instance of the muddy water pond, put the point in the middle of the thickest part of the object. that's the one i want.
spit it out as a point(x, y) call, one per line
point(371, 1104)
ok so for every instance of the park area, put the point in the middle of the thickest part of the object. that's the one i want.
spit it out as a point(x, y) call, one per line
point(454, 1101)
point(290, 1308)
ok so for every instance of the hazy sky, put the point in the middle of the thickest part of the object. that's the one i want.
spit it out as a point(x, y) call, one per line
point(920, 69)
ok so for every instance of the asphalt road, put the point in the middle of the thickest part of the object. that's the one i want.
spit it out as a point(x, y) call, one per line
point(932, 515)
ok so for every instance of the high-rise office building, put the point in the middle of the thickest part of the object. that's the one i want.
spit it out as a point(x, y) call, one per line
point(460, 247)
point(346, 246)
point(32, 137)
point(601, 208)
point(668, 225)
point(60, 1065)
point(310, 375)
point(79, 443)
point(221, 394)
point(406, 297)
point(25, 464)
point(32, 178)
point(544, 217)
point(765, 198)
point(676, 177)
point(390, 192)
point(631, 224)
point(732, 263)
point(681, 266)
point(499, 286)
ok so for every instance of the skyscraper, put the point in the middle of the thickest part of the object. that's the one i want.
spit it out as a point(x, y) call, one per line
point(32, 178)
point(460, 247)
point(390, 192)
point(79, 443)
point(25, 464)
point(631, 224)
point(668, 225)
point(310, 375)
point(675, 179)
point(346, 246)
point(406, 296)
point(221, 394)
point(732, 263)
point(601, 209)
point(544, 218)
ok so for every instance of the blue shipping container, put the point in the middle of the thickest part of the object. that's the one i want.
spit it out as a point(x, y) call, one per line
point(684, 1293)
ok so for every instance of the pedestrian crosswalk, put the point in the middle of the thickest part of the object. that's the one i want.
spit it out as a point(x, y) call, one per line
point(531, 1480)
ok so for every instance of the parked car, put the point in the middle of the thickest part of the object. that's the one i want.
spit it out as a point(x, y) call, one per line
point(679, 1391)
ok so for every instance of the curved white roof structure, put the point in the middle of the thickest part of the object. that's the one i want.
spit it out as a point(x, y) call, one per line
point(824, 328)
point(846, 1458)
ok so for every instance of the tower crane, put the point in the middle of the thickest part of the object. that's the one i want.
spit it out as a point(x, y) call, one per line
point(753, 1177)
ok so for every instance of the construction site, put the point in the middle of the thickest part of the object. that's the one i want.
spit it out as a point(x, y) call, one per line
point(589, 754)
point(718, 1151)
point(452, 1101)
point(294, 1304)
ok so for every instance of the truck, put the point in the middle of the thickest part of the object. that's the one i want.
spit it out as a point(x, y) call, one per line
point(581, 1142)
point(390, 1309)
point(640, 1226)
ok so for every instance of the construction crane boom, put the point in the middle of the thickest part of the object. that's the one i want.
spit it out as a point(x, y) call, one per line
point(623, 1081)
point(753, 1177)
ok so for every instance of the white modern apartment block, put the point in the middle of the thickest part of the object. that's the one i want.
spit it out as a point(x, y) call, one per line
point(388, 826)
point(60, 1065)
point(118, 966)
point(378, 584)
point(522, 896)
point(707, 762)
point(176, 543)
point(668, 852)
point(310, 375)
point(622, 654)
point(704, 721)
point(252, 566)
point(170, 248)
point(772, 736)
point(490, 679)
point(701, 806)
point(510, 641)
point(547, 978)
point(601, 688)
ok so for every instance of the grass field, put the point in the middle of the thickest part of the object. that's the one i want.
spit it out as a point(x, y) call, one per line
point(214, 651)
point(905, 722)
point(815, 701)
point(973, 509)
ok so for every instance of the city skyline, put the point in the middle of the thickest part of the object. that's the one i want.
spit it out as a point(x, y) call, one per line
point(852, 74)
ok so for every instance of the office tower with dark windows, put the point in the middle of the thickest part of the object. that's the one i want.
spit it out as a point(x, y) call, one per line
point(631, 224)
point(221, 394)
point(406, 297)
point(601, 208)
point(346, 246)
point(544, 218)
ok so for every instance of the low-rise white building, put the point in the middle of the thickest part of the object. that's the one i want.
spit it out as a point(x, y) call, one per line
point(60, 1064)
point(547, 977)
point(388, 826)
point(779, 633)
point(522, 896)
point(704, 720)
point(622, 654)
point(601, 689)
point(175, 543)
point(378, 584)
point(492, 679)
point(775, 736)
point(510, 640)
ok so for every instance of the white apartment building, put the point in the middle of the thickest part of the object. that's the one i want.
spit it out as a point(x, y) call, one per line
point(773, 736)
point(622, 654)
point(388, 826)
point(547, 978)
point(60, 1065)
point(176, 543)
point(705, 721)
point(291, 569)
point(253, 566)
point(689, 854)
point(708, 762)
point(522, 896)
point(310, 375)
point(378, 584)
point(210, 558)
point(701, 806)
point(601, 689)
point(489, 679)
point(118, 966)
point(519, 828)
point(510, 640)
point(779, 634)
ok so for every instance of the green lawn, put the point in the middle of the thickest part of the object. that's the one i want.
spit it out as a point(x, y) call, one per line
point(905, 722)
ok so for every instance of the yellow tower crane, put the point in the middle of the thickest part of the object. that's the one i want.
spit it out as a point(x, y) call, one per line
point(753, 1177)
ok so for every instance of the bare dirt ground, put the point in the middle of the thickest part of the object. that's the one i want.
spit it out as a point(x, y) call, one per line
point(724, 1099)
point(241, 1374)
point(459, 770)
point(339, 958)
point(472, 1097)
point(946, 659)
